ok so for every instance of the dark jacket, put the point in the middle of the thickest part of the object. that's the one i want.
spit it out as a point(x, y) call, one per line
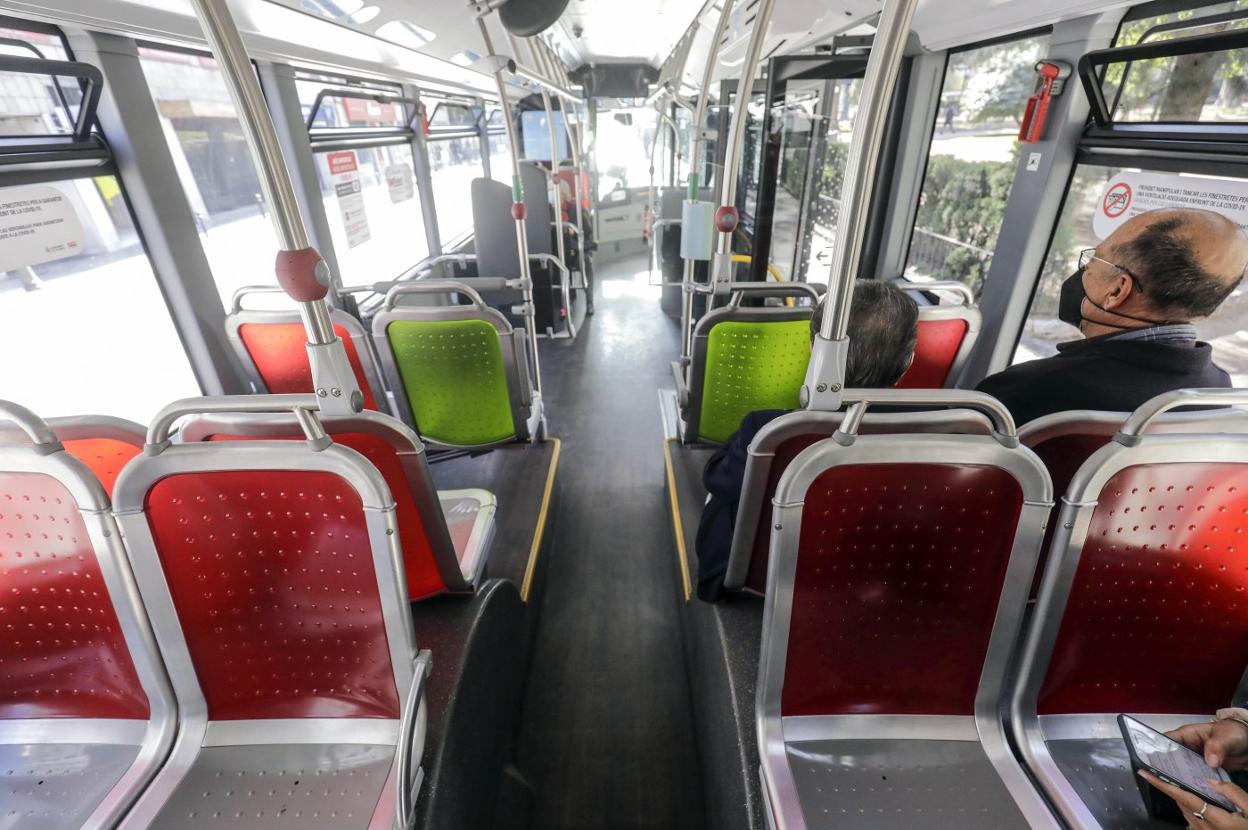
point(1103, 373)
point(723, 478)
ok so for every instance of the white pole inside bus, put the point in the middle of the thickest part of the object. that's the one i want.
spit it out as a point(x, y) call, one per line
point(301, 272)
point(517, 193)
point(825, 376)
point(695, 160)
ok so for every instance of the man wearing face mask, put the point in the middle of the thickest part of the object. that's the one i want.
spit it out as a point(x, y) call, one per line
point(1133, 299)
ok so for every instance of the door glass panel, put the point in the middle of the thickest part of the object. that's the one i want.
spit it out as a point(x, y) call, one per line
point(1226, 329)
point(86, 329)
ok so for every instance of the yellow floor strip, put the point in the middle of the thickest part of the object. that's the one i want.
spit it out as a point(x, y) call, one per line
point(541, 521)
point(681, 554)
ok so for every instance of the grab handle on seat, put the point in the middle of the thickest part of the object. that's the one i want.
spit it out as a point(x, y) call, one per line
point(773, 289)
point(1130, 433)
point(431, 287)
point(305, 408)
point(1003, 428)
point(409, 727)
point(953, 286)
point(40, 434)
point(236, 301)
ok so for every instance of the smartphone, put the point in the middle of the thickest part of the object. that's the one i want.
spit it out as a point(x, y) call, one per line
point(1172, 762)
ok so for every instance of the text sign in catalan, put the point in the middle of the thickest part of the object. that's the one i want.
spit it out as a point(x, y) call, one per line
point(38, 224)
point(345, 174)
point(1134, 192)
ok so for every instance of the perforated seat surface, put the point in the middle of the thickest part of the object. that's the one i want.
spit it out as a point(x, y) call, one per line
point(454, 377)
point(935, 351)
point(329, 786)
point(900, 783)
point(57, 786)
point(1100, 772)
point(105, 457)
point(751, 366)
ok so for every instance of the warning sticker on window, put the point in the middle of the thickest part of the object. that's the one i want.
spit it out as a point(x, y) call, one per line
point(399, 180)
point(345, 174)
point(38, 224)
point(1132, 193)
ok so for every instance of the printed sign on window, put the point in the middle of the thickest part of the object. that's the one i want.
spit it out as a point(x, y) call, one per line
point(399, 180)
point(1132, 193)
point(38, 224)
point(344, 174)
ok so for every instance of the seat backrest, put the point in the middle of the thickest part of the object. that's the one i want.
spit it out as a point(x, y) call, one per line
point(899, 572)
point(270, 572)
point(104, 443)
point(1066, 440)
point(429, 558)
point(272, 346)
point(76, 645)
point(1148, 549)
point(946, 335)
point(538, 211)
point(774, 448)
point(743, 360)
point(459, 372)
point(494, 230)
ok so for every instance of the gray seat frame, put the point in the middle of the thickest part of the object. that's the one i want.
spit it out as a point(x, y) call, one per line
point(1209, 437)
point(902, 741)
point(150, 741)
point(225, 746)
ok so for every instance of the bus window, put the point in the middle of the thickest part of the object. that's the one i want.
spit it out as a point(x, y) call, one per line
point(1186, 23)
point(85, 324)
point(453, 164)
point(837, 120)
point(214, 165)
point(622, 147)
point(374, 214)
point(972, 162)
point(1091, 190)
point(500, 149)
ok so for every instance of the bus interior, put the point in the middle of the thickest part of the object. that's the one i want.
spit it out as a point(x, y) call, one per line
point(362, 359)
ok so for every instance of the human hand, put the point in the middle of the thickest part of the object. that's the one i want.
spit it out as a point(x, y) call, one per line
point(1200, 814)
point(1224, 743)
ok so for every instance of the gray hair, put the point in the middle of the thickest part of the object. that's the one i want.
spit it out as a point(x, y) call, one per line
point(883, 331)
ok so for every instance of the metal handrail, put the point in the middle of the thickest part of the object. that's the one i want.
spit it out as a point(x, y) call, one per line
point(408, 739)
point(951, 286)
point(36, 429)
point(861, 399)
point(1130, 432)
point(304, 406)
point(431, 287)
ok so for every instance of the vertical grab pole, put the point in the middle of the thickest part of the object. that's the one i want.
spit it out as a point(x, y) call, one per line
point(300, 270)
point(695, 159)
point(517, 196)
point(825, 376)
point(554, 182)
point(722, 264)
point(569, 109)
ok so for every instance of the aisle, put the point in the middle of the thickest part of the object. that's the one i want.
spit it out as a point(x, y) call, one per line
point(606, 739)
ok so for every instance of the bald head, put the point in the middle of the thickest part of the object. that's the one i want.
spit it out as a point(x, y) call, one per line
point(1186, 261)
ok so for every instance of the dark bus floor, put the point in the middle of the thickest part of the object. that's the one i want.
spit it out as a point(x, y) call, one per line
point(606, 739)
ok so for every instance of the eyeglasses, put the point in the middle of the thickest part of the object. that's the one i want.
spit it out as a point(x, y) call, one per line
point(1088, 255)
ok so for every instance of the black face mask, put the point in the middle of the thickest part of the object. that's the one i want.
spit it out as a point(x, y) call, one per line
point(1070, 306)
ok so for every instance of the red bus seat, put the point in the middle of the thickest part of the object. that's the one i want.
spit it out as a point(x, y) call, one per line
point(273, 580)
point(775, 447)
point(105, 444)
point(86, 712)
point(900, 566)
point(1140, 607)
point(272, 346)
point(445, 536)
point(947, 333)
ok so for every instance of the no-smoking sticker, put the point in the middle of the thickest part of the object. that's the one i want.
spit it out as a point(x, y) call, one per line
point(1117, 200)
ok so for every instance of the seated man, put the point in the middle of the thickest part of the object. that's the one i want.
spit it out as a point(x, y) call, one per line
point(1133, 298)
point(883, 328)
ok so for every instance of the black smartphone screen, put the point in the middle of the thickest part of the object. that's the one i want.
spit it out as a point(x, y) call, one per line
point(1171, 761)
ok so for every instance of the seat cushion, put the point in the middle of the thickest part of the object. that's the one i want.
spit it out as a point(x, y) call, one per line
point(1100, 773)
point(329, 786)
point(57, 786)
point(900, 783)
